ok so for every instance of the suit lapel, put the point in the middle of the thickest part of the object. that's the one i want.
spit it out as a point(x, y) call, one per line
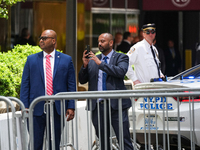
point(57, 60)
point(99, 56)
point(112, 58)
point(97, 68)
point(40, 64)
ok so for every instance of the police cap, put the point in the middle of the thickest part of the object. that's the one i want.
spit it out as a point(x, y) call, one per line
point(149, 26)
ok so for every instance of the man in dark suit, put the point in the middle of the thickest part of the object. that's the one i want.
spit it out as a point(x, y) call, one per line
point(37, 82)
point(126, 43)
point(173, 59)
point(117, 40)
point(92, 72)
point(25, 38)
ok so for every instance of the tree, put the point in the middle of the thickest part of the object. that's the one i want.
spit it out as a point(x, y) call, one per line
point(4, 4)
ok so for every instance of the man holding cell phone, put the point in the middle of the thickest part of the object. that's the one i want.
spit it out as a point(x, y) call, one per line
point(106, 71)
point(144, 56)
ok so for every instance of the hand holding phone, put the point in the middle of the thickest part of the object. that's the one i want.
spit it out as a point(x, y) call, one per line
point(87, 47)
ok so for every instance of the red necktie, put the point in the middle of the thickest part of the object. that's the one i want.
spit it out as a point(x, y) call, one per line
point(49, 82)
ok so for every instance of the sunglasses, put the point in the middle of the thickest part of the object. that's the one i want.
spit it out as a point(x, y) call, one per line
point(150, 31)
point(44, 38)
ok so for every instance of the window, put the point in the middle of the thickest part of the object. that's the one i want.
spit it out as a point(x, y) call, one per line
point(122, 20)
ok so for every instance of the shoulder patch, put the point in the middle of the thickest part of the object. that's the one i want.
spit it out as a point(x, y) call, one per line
point(131, 51)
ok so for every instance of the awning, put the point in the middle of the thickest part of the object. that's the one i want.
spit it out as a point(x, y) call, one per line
point(178, 5)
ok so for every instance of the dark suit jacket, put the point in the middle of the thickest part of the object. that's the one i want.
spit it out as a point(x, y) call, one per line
point(161, 58)
point(116, 70)
point(172, 64)
point(33, 84)
point(124, 47)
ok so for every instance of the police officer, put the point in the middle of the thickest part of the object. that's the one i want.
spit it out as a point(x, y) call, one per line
point(144, 56)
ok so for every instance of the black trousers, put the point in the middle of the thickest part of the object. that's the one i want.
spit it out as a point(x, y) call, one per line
point(115, 124)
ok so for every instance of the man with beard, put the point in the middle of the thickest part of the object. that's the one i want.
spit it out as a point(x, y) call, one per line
point(114, 65)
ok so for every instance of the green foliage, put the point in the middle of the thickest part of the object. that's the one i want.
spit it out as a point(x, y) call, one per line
point(3, 13)
point(4, 4)
point(11, 68)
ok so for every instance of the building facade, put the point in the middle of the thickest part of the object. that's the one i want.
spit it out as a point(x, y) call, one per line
point(176, 19)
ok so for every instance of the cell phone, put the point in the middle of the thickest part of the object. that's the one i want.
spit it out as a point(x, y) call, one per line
point(87, 47)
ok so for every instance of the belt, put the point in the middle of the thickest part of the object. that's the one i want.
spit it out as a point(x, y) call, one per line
point(102, 102)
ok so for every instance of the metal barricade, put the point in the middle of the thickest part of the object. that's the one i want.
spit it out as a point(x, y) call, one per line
point(50, 136)
point(10, 134)
point(151, 123)
point(21, 124)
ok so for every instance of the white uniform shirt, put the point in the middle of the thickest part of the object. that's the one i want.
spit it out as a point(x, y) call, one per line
point(141, 57)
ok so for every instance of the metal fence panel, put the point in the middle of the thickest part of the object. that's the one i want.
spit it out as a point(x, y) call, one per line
point(13, 131)
point(155, 129)
point(159, 119)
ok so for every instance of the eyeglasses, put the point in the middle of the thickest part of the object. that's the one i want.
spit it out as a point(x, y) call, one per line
point(44, 38)
point(150, 31)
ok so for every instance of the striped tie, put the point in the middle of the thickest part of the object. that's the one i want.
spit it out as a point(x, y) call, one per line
point(49, 83)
